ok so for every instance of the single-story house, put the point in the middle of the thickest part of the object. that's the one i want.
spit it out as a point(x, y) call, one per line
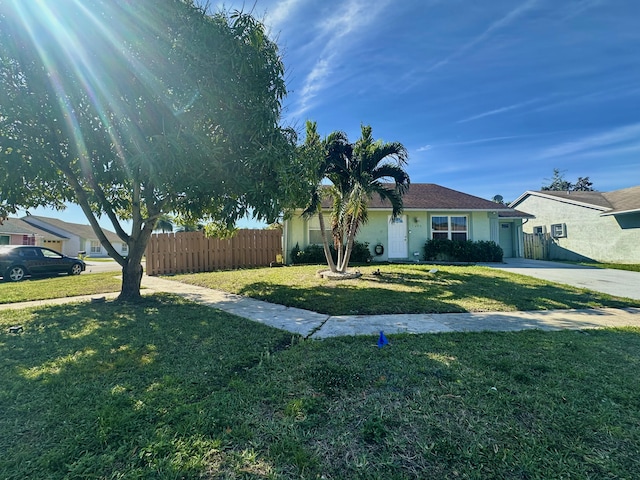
point(73, 238)
point(15, 231)
point(600, 226)
point(430, 212)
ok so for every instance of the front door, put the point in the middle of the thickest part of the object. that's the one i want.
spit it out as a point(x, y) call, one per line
point(506, 239)
point(398, 247)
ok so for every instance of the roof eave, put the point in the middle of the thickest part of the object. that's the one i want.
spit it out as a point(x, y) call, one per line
point(619, 212)
point(559, 199)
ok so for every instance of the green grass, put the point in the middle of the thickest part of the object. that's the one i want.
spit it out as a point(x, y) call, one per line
point(616, 266)
point(404, 289)
point(57, 287)
point(166, 389)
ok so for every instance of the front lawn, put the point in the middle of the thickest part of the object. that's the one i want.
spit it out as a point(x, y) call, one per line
point(632, 267)
point(404, 289)
point(39, 288)
point(166, 389)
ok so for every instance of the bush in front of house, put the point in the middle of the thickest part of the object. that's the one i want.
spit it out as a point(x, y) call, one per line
point(313, 254)
point(462, 251)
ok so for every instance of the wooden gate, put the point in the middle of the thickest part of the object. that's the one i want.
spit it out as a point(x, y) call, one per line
point(190, 252)
point(537, 246)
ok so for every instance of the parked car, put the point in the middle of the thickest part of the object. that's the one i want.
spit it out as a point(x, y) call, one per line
point(19, 261)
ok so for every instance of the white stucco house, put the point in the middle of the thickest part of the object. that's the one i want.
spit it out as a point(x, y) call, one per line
point(15, 231)
point(600, 226)
point(72, 238)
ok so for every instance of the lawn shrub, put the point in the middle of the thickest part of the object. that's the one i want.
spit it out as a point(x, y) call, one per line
point(314, 254)
point(462, 251)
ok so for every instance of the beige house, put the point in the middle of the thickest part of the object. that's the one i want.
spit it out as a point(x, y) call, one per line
point(600, 226)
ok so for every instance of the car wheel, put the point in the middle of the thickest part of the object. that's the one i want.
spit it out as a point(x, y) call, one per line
point(76, 269)
point(15, 274)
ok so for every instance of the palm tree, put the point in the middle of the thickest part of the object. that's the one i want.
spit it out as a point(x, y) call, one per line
point(357, 172)
point(375, 168)
point(316, 153)
point(164, 223)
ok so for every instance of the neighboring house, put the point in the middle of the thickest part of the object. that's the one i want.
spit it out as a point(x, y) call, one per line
point(430, 211)
point(14, 231)
point(76, 237)
point(600, 226)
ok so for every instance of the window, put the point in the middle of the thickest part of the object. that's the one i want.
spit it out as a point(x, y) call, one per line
point(315, 235)
point(50, 253)
point(449, 228)
point(95, 247)
point(125, 248)
point(28, 240)
point(538, 230)
point(4, 239)
point(558, 230)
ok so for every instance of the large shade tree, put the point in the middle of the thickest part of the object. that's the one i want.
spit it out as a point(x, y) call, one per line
point(355, 174)
point(135, 109)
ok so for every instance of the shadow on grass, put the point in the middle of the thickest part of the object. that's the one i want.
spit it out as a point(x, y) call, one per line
point(169, 389)
point(443, 292)
point(88, 383)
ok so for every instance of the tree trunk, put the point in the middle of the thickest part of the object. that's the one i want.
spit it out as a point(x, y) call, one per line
point(342, 268)
point(132, 267)
point(325, 243)
point(131, 281)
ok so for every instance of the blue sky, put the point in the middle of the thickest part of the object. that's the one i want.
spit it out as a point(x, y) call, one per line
point(488, 97)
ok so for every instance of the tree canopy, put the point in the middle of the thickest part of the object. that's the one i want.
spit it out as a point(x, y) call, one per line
point(559, 183)
point(138, 109)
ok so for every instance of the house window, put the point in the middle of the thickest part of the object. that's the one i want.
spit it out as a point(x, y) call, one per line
point(28, 240)
point(315, 235)
point(125, 248)
point(538, 230)
point(558, 230)
point(449, 228)
point(4, 239)
point(95, 247)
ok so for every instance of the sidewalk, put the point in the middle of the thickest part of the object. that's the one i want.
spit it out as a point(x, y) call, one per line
point(317, 325)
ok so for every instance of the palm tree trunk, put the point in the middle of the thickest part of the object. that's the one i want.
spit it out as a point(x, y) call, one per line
point(342, 267)
point(325, 243)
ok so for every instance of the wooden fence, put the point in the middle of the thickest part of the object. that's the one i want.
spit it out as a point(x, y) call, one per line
point(537, 246)
point(187, 252)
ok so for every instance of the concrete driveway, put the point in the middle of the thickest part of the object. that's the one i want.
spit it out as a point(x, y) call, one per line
point(99, 266)
point(620, 283)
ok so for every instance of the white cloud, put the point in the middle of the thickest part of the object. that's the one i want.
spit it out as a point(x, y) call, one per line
point(498, 111)
point(335, 34)
point(509, 18)
point(283, 11)
point(614, 136)
point(424, 149)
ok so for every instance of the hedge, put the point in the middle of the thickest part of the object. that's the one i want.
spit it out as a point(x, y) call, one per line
point(314, 254)
point(462, 251)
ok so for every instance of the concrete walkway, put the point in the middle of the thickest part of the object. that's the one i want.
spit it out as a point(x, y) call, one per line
point(316, 325)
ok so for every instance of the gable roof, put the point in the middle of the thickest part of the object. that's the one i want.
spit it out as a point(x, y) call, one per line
point(616, 202)
point(430, 196)
point(17, 226)
point(80, 230)
point(622, 201)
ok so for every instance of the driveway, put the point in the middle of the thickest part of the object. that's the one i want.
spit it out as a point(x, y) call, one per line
point(621, 283)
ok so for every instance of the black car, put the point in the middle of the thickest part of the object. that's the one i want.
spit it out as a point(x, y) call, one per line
point(18, 261)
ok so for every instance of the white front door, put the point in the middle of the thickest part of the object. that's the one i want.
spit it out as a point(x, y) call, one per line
point(398, 247)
